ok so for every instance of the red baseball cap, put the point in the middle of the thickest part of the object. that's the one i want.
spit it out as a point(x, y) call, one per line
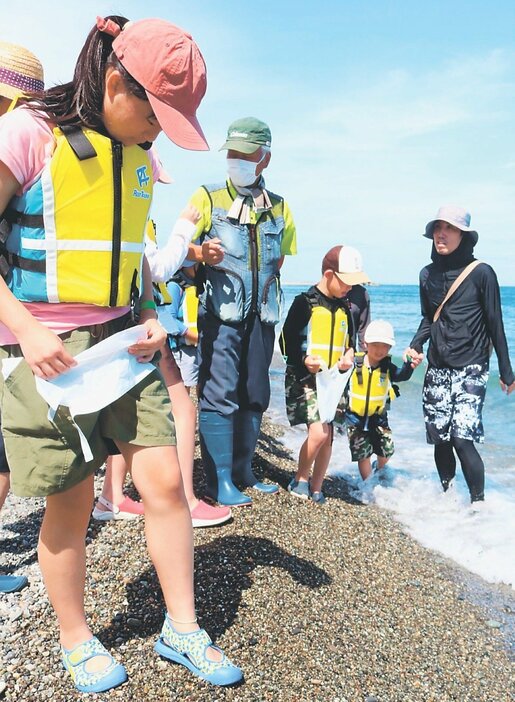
point(165, 60)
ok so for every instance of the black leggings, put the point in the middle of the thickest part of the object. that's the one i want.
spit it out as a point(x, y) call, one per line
point(471, 464)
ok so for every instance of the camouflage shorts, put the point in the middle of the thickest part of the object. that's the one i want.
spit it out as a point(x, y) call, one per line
point(301, 399)
point(452, 402)
point(377, 439)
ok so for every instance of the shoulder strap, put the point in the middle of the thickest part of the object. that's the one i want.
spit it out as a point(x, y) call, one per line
point(384, 366)
point(459, 280)
point(78, 141)
point(358, 367)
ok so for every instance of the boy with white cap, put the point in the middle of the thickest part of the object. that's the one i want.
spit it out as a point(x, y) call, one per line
point(370, 391)
point(318, 332)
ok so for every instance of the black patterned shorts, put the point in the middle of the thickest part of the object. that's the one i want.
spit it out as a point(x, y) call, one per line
point(452, 402)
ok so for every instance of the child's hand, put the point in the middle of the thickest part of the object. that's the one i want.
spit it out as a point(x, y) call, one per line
point(413, 357)
point(347, 360)
point(508, 389)
point(191, 214)
point(313, 363)
point(44, 351)
point(155, 340)
point(212, 252)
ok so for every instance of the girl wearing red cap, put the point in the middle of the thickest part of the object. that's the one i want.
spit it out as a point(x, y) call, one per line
point(75, 190)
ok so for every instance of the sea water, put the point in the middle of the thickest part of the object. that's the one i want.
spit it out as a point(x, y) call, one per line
point(483, 541)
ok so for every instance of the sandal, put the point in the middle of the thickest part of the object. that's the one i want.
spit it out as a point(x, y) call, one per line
point(12, 583)
point(75, 661)
point(190, 650)
point(127, 509)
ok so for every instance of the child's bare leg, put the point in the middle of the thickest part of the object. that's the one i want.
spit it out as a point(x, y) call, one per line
point(315, 440)
point(184, 416)
point(156, 474)
point(365, 468)
point(62, 559)
point(322, 461)
point(381, 462)
point(5, 483)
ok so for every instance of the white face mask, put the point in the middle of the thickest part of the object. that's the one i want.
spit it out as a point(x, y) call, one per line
point(242, 173)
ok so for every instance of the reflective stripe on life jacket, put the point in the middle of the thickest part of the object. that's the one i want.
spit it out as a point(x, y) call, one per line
point(77, 234)
point(370, 389)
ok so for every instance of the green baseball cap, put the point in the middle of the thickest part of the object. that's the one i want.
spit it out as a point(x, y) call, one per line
point(247, 135)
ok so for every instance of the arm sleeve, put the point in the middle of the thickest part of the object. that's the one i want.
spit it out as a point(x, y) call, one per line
point(424, 329)
point(166, 261)
point(289, 240)
point(397, 375)
point(491, 301)
point(363, 320)
point(290, 337)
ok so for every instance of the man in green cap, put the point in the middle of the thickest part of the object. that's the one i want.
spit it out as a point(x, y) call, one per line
point(242, 236)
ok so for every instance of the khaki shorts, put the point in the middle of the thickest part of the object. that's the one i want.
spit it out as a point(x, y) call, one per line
point(45, 456)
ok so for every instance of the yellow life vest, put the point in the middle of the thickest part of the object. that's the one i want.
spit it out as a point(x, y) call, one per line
point(327, 334)
point(189, 309)
point(369, 389)
point(79, 229)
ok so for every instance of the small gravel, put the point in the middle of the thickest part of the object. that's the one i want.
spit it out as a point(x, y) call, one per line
point(332, 603)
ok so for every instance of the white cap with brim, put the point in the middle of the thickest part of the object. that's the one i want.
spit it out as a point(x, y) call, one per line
point(380, 331)
point(456, 216)
point(346, 263)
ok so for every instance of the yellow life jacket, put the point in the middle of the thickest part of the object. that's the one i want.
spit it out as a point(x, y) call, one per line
point(189, 310)
point(370, 389)
point(327, 333)
point(78, 231)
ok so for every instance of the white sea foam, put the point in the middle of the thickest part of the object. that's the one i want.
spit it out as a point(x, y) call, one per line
point(409, 488)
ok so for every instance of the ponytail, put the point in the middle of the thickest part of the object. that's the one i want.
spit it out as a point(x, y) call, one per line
point(80, 102)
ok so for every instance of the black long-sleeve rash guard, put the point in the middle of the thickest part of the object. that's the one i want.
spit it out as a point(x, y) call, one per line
point(468, 322)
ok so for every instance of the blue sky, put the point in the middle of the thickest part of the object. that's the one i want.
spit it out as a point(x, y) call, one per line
point(380, 112)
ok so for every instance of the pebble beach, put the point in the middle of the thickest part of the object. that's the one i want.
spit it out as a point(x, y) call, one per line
point(329, 603)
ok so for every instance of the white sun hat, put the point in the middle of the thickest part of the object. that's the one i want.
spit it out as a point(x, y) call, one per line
point(457, 216)
point(380, 331)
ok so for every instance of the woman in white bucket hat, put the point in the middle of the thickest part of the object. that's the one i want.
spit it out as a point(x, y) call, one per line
point(462, 319)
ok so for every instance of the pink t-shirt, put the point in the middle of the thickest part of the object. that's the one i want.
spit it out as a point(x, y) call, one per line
point(26, 145)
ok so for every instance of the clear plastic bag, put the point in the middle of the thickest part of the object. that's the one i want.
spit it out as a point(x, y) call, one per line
point(331, 384)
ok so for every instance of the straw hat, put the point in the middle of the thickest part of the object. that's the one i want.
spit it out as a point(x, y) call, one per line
point(20, 71)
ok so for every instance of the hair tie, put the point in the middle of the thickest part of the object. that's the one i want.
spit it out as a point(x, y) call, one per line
point(108, 26)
